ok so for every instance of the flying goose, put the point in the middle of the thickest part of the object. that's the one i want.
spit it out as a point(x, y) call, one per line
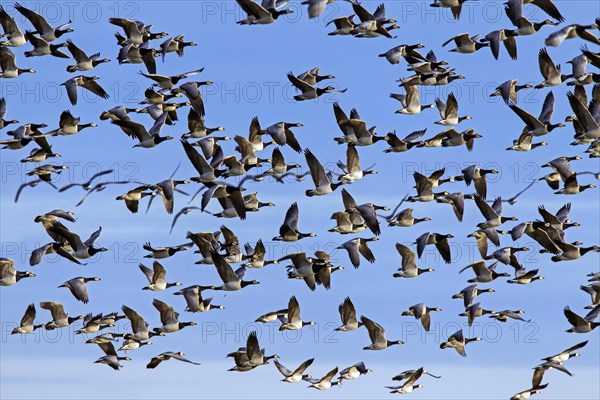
point(354, 371)
point(272, 316)
point(27, 324)
point(524, 143)
point(43, 48)
point(508, 91)
point(175, 45)
point(565, 354)
point(93, 324)
point(514, 12)
point(457, 201)
point(278, 165)
point(303, 268)
point(70, 125)
point(231, 280)
point(158, 253)
point(59, 318)
point(255, 256)
point(525, 278)
point(194, 300)
point(308, 92)
point(357, 247)
point(13, 34)
point(288, 232)
point(582, 324)
point(406, 374)
point(474, 311)
point(44, 172)
point(570, 251)
point(111, 358)
point(478, 176)
point(251, 356)
point(539, 126)
point(139, 326)
point(492, 214)
point(529, 392)
point(352, 170)
point(156, 277)
point(4, 122)
point(507, 38)
point(409, 385)
point(321, 179)
point(325, 382)
point(281, 134)
point(410, 102)
point(409, 268)
point(343, 25)
point(573, 31)
point(9, 66)
point(421, 312)
point(366, 211)
point(298, 374)
point(470, 292)
point(134, 30)
point(293, 320)
point(370, 22)
point(377, 335)
point(191, 90)
point(78, 287)
point(455, 7)
point(405, 218)
point(571, 186)
point(550, 71)
point(84, 62)
point(132, 344)
point(166, 356)
point(424, 186)
point(262, 14)
point(133, 197)
point(439, 240)
point(590, 127)
point(594, 292)
point(453, 138)
point(86, 82)
point(466, 44)
point(134, 54)
point(147, 138)
point(41, 26)
point(348, 316)
point(484, 273)
point(458, 342)
point(80, 249)
point(169, 318)
point(504, 315)
point(540, 370)
point(316, 7)
point(168, 82)
point(395, 54)
point(482, 236)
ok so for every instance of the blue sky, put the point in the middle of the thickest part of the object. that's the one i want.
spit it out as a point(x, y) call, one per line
point(249, 66)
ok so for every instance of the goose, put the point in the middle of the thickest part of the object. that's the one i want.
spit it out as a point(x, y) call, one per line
point(514, 12)
point(549, 70)
point(322, 180)
point(482, 236)
point(421, 312)
point(476, 175)
point(449, 111)
point(86, 82)
point(159, 253)
point(262, 14)
point(325, 382)
point(316, 8)
point(194, 300)
point(508, 91)
point(78, 287)
point(484, 273)
point(210, 146)
point(380, 31)
point(457, 201)
point(312, 76)
point(507, 256)
point(571, 32)
point(87, 185)
point(348, 316)
point(15, 37)
point(232, 195)
point(288, 232)
point(429, 63)
point(406, 374)
point(405, 218)
point(251, 356)
point(191, 90)
point(455, 7)
point(206, 171)
point(352, 170)
point(132, 198)
point(504, 315)
point(168, 82)
point(132, 344)
point(357, 247)
point(560, 220)
point(281, 134)
point(43, 48)
point(133, 54)
point(529, 392)
point(293, 320)
point(167, 189)
point(505, 36)
point(253, 204)
point(156, 277)
point(458, 342)
point(538, 126)
point(9, 66)
point(395, 54)
point(169, 318)
point(590, 127)
point(492, 214)
point(80, 250)
point(470, 292)
point(248, 156)
point(255, 134)
point(84, 62)
point(93, 324)
point(409, 268)
point(59, 318)
point(474, 311)
point(466, 44)
point(424, 186)
point(231, 280)
point(158, 97)
point(323, 269)
point(525, 278)
point(582, 324)
point(309, 92)
point(354, 371)
point(369, 22)
point(524, 143)
point(4, 122)
point(573, 187)
point(367, 212)
point(439, 240)
point(134, 30)
point(410, 102)
point(303, 268)
point(27, 324)
point(409, 385)
point(139, 326)
point(570, 251)
point(453, 138)
point(111, 358)
point(579, 75)
point(272, 316)
point(377, 335)
point(166, 356)
point(278, 165)
point(44, 172)
point(348, 222)
point(352, 127)
point(70, 125)
point(175, 45)
point(593, 58)
point(565, 354)
point(343, 25)
point(255, 256)
point(538, 372)
point(41, 26)
point(594, 292)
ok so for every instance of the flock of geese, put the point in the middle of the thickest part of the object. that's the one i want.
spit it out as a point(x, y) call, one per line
point(202, 147)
